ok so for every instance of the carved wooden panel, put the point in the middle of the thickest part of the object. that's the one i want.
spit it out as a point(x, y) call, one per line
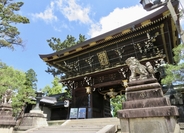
point(103, 58)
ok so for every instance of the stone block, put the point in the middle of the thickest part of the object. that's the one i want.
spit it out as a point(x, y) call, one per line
point(124, 124)
point(148, 112)
point(6, 129)
point(144, 81)
point(177, 129)
point(108, 129)
point(6, 118)
point(32, 120)
point(144, 103)
point(143, 87)
point(36, 111)
point(144, 94)
point(148, 125)
point(33, 115)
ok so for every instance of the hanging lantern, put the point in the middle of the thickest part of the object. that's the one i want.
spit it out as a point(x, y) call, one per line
point(151, 4)
point(146, 3)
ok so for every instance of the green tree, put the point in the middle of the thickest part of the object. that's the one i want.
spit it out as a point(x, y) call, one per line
point(31, 79)
point(57, 45)
point(9, 34)
point(116, 104)
point(175, 72)
point(25, 94)
point(23, 85)
point(10, 78)
point(55, 89)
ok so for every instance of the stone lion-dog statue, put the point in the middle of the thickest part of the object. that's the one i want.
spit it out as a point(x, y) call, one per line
point(137, 68)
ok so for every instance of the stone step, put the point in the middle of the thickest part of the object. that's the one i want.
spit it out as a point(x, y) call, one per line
point(70, 129)
point(81, 131)
point(93, 125)
point(74, 130)
point(72, 126)
point(84, 121)
point(65, 130)
point(89, 124)
point(57, 122)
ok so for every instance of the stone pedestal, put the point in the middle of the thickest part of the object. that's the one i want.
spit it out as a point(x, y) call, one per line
point(35, 118)
point(146, 110)
point(7, 122)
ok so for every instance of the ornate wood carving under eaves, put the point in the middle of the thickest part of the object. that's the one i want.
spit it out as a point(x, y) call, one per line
point(160, 67)
point(120, 51)
point(88, 81)
point(70, 84)
point(89, 60)
point(73, 66)
point(148, 46)
point(123, 72)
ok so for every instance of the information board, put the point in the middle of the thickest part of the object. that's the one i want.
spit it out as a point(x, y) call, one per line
point(73, 113)
point(82, 113)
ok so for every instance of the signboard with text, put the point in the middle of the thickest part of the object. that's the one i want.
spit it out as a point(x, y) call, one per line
point(82, 113)
point(73, 113)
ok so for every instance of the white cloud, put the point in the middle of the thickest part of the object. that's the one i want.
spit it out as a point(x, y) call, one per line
point(118, 17)
point(48, 15)
point(70, 9)
point(60, 26)
point(73, 11)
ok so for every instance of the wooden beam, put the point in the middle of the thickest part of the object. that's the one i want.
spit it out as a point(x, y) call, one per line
point(108, 83)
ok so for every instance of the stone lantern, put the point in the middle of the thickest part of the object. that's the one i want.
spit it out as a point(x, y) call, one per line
point(36, 117)
point(39, 95)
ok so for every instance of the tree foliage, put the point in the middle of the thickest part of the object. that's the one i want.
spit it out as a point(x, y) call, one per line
point(9, 34)
point(10, 78)
point(175, 72)
point(116, 104)
point(56, 44)
point(31, 79)
point(55, 89)
point(22, 84)
point(25, 94)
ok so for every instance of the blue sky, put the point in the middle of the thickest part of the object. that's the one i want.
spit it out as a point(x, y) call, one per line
point(59, 18)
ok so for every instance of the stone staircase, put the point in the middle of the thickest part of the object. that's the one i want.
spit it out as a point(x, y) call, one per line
point(94, 125)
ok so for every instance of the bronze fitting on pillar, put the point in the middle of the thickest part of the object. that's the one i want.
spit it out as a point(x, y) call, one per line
point(111, 93)
point(88, 89)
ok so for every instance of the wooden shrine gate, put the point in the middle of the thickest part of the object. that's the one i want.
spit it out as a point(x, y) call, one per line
point(95, 70)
